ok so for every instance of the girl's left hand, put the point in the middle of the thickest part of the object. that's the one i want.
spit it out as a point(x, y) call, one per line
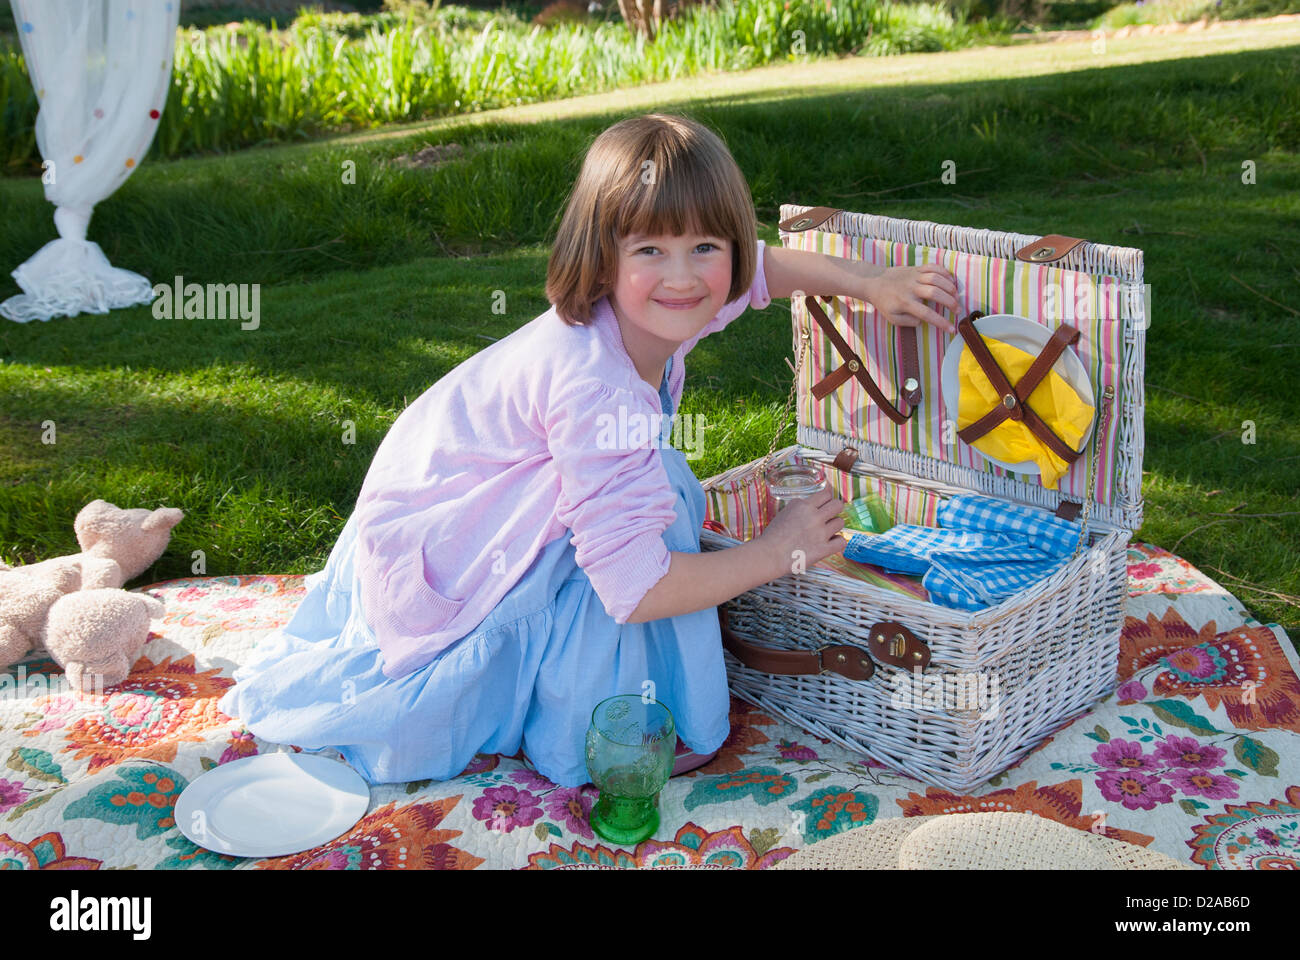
point(899, 295)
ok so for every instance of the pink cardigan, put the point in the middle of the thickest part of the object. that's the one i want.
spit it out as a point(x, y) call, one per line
point(497, 459)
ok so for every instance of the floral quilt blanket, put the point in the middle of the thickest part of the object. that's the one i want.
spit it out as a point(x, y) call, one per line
point(1196, 754)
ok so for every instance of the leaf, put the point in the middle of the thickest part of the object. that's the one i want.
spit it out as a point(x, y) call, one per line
point(38, 764)
point(1102, 733)
point(1179, 713)
point(997, 781)
point(1191, 806)
point(540, 832)
point(817, 776)
point(1156, 728)
point(1236, 773)
point(1256, 756)
point(33, 803)
point(1146, 739)
point(552, 829)
point(1146, 724)
point(1130, 721)
point(207, 763)
point(764, 840)
point(28, 719)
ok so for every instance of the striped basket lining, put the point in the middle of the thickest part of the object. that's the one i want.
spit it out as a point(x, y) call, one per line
point(734, 496)
point(732, 500)
point(1096, 288)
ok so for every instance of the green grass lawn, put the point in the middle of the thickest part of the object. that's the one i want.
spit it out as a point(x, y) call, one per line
point(372, 291)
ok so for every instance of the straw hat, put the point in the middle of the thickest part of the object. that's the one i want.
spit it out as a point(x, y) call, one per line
point(975, 841)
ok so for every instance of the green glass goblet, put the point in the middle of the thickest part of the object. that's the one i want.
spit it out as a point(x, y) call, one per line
point(631, 743)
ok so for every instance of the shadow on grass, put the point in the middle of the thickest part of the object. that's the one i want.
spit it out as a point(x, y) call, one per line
point(363, 308)
point(291, 206)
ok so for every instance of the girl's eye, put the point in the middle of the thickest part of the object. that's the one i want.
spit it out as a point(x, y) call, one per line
point(704, 244)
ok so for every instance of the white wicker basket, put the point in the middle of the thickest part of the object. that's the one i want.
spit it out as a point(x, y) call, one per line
point(995, 682)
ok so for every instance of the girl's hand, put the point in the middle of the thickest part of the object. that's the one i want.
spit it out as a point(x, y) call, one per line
point(807, 530)
point(899, 295)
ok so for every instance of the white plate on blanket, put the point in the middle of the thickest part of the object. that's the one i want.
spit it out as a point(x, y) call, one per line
point(272, 805)
point(1024, 334)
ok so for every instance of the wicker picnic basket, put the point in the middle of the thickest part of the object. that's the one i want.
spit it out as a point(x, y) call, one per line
point(949, 696)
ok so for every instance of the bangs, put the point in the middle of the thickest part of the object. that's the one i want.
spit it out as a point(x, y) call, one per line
point(684, 195)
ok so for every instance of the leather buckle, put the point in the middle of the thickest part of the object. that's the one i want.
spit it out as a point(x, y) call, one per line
point(891, 642)
point(847, 661)
point(1048, 249)
point(814, 217)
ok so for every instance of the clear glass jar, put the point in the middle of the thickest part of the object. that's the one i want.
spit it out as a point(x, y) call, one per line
point(787, 482)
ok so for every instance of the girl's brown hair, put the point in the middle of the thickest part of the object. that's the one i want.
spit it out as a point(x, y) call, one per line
point(653, 174)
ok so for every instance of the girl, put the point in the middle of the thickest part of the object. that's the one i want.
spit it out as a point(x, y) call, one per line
point(518, 552)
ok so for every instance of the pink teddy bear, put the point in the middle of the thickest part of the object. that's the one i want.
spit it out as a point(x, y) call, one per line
point(73, 608)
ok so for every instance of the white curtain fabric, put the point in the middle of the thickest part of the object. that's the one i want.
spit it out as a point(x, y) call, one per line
point(101, 70)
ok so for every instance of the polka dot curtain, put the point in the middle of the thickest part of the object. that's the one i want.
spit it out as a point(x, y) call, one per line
point(101, 70)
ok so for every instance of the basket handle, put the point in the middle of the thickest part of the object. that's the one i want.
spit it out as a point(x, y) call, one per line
point(889, 641)
point(846, 660)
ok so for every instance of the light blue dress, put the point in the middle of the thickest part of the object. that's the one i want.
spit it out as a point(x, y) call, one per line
point(528, 676)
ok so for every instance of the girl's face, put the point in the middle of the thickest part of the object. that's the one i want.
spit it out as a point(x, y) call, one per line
point(668, 288)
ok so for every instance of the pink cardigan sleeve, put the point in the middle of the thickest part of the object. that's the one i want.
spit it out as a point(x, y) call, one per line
point(617, 500)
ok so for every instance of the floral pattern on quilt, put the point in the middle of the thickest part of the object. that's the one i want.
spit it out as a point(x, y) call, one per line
point(1196, 754)
point(1245, 668)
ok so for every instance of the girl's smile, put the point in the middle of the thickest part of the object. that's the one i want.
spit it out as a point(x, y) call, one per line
point(679, 304)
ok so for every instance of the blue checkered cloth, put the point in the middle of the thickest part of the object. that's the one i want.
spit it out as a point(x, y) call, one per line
point(983, 552)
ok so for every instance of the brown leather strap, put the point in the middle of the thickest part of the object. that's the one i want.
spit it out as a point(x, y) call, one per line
point(980, 351)
point(910, 388)
point(1062, 336)
point(808, 220)
point(1068, 509)
point(973, 431)
point(844, 659)
point(1048, 249)
point(1046, 434)
point(854, 367)
point(845, 459)
point(1015, 400)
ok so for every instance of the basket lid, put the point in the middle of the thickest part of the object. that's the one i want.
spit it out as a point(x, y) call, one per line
point(1026, 287)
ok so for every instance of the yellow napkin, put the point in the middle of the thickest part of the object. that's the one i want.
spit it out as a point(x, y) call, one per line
point(1011, 441)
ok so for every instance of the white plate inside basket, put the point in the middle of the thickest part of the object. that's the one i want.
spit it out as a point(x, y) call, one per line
point(272, 805)
point(1030, 337)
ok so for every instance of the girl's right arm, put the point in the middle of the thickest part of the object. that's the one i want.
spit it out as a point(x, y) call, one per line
point(698, 581)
